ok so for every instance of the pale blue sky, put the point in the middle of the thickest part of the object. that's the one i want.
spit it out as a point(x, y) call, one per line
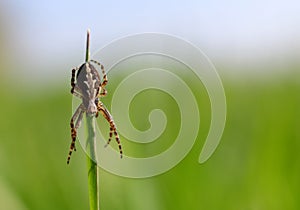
point(233, 32)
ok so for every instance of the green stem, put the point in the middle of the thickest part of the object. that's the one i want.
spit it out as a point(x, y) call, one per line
point(91, 164)
point(91, 150)
point(87, 52)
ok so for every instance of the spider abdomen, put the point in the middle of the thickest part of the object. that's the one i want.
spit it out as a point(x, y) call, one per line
point(88, 83)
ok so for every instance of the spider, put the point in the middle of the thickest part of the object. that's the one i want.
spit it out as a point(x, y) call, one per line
point(89, 88)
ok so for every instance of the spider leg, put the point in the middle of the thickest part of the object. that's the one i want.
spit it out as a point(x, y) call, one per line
point(78, 123)
point(113, 129)
point(77, 115)
point(104, 79)
point(73, 79)
point(103, 92)
point(77, 93)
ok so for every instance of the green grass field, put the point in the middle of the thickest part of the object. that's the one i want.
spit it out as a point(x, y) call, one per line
point(255, 167)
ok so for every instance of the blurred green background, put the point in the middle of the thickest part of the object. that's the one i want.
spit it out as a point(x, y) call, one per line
point(256, 165)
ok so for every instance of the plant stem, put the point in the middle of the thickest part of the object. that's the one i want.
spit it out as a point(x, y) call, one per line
point(87, 52)
point(91, 150)
point(91, 164)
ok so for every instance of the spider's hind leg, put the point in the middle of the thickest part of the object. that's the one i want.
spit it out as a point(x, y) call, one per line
point(113, 129)
point(79, 115)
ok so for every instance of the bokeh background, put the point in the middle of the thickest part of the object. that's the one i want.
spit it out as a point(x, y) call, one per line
point(255, 48)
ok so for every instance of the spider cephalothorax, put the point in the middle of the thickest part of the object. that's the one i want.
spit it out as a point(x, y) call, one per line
point(86, 84)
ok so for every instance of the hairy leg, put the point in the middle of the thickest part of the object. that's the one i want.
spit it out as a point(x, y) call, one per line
point(103, 91)
point(113, 129)
point(77, 115)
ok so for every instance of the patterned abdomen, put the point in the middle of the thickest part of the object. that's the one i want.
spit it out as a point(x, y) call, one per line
point(88, 83)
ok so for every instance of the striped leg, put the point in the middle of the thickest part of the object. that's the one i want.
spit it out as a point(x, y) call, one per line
point(77, 92)
point(113, 129)
point(104, 79)
point(77, 115)
point(73, 79)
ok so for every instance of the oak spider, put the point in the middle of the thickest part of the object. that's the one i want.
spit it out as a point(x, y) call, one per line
point(89, 88)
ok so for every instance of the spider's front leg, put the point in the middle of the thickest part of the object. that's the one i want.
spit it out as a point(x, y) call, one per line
point(113, 129)
point(79, 115)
